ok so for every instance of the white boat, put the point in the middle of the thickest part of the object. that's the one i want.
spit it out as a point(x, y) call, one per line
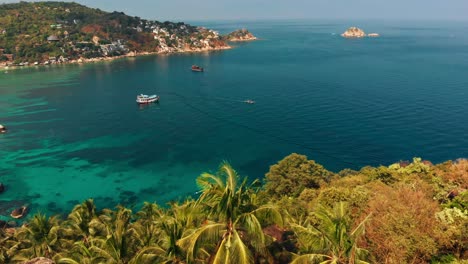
point(146, 99)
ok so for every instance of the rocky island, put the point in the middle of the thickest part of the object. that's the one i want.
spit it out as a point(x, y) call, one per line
point(42, 33)
point(355, 32)
point(240, 35)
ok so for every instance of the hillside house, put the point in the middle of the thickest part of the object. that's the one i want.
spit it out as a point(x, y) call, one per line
point(115, 48)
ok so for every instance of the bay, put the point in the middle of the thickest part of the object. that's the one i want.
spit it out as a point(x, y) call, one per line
point(75, 131)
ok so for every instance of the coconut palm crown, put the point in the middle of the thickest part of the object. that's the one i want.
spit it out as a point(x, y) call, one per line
point(232, 232)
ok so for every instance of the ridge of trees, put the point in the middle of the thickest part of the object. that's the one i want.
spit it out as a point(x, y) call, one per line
point(408, 212)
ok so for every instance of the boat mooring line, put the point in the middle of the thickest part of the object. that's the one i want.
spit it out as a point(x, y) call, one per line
point(260, 132)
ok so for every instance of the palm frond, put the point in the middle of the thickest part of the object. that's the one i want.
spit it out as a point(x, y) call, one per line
point(210, 233)
point(69, 261)
point(148, 255)
point(233, 250)
point(270, 214)
point(311, 259)
point(240, 252)
point(207, 181)
point(231, 176)
point(360, 229)
point(252, 227)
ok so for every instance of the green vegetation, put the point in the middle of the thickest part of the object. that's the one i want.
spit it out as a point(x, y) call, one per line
point(404, 213)
point(62, 31)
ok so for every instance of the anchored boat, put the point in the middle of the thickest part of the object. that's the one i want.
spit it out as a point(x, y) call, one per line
point(197, 68)
point(19, 212)
point(146, 99)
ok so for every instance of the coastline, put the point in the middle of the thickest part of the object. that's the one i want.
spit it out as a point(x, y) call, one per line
point(4, 68)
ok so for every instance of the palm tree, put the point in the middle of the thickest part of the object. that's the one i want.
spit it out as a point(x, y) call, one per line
point(146, 226)
point(149, 235)
point(78, 227)
point(157, 231)
point(331, 240)
point(6, 242)
point(78, 221)
point(235, 232)
point(38, 238)
point(189, 214)
point(181, 218)
point(109, 239)
point(172, 231)
point(80, 253)
point(114, 240)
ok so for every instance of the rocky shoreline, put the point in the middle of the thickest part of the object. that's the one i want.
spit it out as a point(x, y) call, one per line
point(222, 44)
point(5, 68)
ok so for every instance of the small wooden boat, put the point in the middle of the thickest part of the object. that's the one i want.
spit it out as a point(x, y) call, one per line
point(197, 68)
point(3, 129)
point(249, 101)
point(19, 212)
point(146, 99)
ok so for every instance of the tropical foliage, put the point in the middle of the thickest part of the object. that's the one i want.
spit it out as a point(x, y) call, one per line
point(408, 212)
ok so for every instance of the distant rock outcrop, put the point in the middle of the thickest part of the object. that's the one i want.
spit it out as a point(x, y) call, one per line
point(354, 32)
point(240, 35)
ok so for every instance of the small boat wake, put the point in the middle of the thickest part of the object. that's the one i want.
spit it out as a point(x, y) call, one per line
point(212, 98)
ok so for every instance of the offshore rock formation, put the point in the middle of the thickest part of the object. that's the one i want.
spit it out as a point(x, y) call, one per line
point(240, 35)
point(354, 32)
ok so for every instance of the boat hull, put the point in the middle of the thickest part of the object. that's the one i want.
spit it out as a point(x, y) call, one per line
point(147, 100)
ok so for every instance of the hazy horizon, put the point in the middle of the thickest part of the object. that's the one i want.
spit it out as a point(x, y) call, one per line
point(429, 10)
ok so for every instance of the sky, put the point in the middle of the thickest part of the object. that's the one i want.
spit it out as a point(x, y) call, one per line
point(192, 10)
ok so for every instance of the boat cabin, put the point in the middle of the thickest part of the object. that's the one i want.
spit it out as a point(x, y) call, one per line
point(146, 99)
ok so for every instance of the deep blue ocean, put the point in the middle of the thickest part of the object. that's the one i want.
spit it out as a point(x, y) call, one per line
point(75, 131)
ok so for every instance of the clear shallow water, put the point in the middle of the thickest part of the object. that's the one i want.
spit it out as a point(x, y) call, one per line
point(76, 132)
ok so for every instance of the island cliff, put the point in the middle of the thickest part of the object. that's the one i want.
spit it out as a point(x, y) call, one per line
point(61, 32)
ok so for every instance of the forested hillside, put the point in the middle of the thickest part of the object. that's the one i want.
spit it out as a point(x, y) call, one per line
point(408, 212)
point(38, 31)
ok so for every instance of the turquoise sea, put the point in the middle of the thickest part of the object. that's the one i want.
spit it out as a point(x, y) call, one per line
point(76, 131)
